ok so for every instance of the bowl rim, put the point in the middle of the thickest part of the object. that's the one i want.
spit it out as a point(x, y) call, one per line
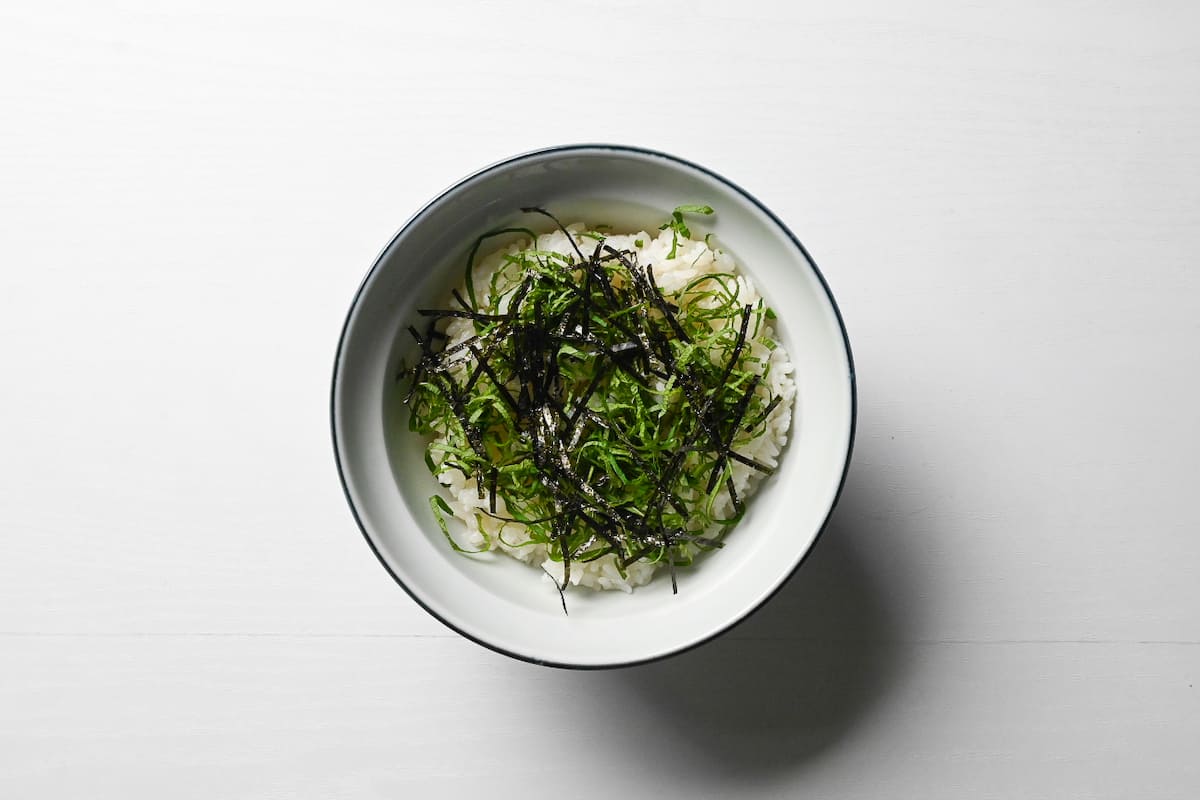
point(566, 149)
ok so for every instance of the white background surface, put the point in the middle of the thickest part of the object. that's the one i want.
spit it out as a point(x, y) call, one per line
point(1005, 200)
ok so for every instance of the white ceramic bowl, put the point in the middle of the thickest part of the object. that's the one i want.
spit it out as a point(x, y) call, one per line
point(496, 600)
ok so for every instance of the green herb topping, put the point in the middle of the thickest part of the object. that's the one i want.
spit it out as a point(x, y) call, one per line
point(597, 411)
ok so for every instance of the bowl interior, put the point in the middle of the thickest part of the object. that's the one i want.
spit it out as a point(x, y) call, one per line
point(495, 599)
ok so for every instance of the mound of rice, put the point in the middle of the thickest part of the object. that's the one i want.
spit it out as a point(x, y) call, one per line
point(693, 258)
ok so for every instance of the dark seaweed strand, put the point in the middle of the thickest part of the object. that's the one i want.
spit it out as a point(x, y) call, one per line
point(562, 597)
point(559, 225)
point(719, 467)
point(426, 344)
point(562, 443)
point(417, 371)
point(501, 388)
point(470, 430)
point(762, 416)
point(469, 279)
point(751, 463)
point(644, 280)
point(581, 403)
point(565, 522)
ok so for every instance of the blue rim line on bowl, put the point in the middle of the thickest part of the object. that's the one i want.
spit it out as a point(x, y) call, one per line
point(617, 148)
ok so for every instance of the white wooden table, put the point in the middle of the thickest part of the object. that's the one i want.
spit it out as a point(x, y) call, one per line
point(1005, 201)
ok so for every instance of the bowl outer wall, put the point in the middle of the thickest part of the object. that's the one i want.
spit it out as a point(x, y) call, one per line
point(497, 601)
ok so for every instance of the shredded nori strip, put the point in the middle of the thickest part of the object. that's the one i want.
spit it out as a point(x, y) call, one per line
point(601, 412)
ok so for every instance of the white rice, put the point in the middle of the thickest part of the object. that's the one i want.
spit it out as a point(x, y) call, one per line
point(693, 258)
